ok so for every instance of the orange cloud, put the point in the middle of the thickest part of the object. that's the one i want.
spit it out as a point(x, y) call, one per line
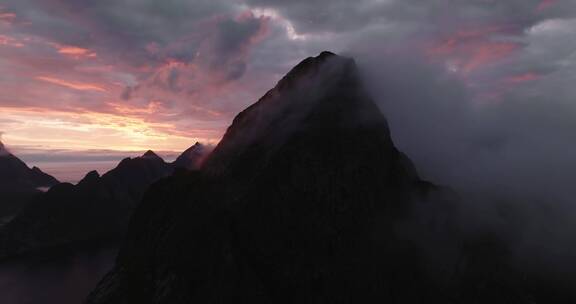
point(73, 85)
point(155, 107)
point(151, 108)
point(76, 52)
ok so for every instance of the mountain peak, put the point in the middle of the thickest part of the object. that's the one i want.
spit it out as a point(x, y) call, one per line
point(90, 177)
point(191, 158)
point(3, 150)
point(325, 66)
point(151, 155)
point(194, 147)
point(306, 172)
point(323, 92)
point(326, 54)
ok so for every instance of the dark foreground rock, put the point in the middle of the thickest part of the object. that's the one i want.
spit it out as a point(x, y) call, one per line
point(306, 200)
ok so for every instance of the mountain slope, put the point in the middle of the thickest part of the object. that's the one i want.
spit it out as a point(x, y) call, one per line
point(299, 203)
point(19, 183)
point(14, 173)
point(192, 157)
point(307, 200)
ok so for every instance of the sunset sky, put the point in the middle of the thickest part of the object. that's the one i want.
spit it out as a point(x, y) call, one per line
point(82, 76)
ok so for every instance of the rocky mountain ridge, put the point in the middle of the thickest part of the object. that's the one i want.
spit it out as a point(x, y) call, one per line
point(98, 207)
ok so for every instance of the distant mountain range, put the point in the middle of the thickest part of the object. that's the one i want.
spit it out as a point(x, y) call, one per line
point(98, 207)
point(19, 183)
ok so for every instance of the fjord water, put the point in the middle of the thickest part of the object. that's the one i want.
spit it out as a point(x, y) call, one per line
point(65, 276)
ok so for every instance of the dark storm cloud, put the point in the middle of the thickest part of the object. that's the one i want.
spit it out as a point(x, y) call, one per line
point(383, 25)
point(341, 15)
point(514, 155)
point(139, 32)
point(232, 34)
point(226, 50)
point(329, 16)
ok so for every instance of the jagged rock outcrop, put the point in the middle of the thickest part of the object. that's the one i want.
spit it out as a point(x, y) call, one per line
point(19, 183)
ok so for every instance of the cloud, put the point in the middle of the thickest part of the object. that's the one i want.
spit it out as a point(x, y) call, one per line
point(189, 57)
point(195, 64)
point(511, 159)
point(72, 85)
point(75, 52)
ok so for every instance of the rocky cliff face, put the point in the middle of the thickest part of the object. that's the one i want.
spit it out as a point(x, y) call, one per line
point(306, 200)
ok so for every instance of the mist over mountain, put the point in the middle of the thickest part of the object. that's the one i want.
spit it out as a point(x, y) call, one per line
point(192, 157)
point(307, 200)
point(18, 182)
point(512, 159)
point(98, 207)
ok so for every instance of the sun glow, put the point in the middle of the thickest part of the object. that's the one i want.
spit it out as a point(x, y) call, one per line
point(84, 130)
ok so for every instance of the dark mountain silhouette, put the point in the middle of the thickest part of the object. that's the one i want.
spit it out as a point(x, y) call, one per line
point(98, 207)
point(19, 183)
point(306, 200)
point(192, 157)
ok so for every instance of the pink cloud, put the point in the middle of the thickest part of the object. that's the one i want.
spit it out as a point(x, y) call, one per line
point(73, 85)
point(486, 53)
point(521, 78)
point(6, 17)
point(470, 50)
point(545, 4)
point(10, 41)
